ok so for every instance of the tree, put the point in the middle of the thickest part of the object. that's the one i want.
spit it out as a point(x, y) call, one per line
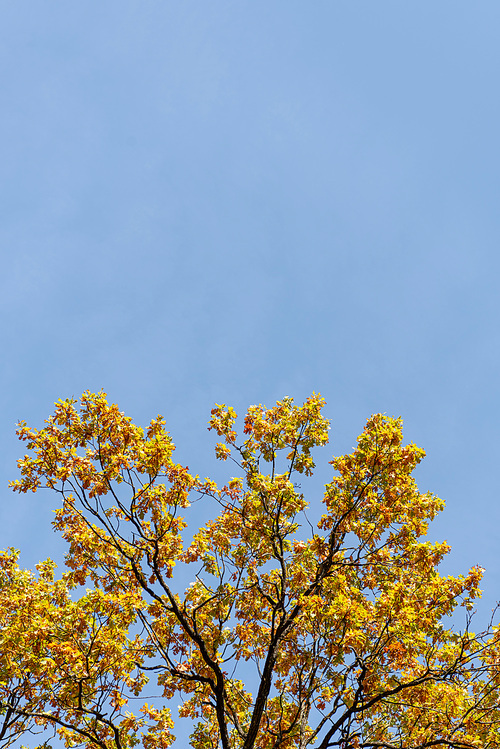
point(287, 635)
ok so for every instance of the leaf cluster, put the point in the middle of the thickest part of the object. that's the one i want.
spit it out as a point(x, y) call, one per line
point(339, 639)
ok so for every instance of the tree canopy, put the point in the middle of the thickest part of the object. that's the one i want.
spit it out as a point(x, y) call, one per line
point(272, 633)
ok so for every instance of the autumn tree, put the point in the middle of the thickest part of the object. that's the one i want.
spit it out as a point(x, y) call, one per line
point(287, 635)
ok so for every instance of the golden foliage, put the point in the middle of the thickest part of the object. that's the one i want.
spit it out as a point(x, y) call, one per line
point(280, 640)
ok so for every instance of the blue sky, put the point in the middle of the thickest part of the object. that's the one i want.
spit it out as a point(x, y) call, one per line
point(237, 201)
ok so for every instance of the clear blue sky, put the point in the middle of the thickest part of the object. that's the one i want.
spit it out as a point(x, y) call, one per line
point(234, 201)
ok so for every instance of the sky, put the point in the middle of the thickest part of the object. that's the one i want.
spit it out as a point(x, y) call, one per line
point(241, 200)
